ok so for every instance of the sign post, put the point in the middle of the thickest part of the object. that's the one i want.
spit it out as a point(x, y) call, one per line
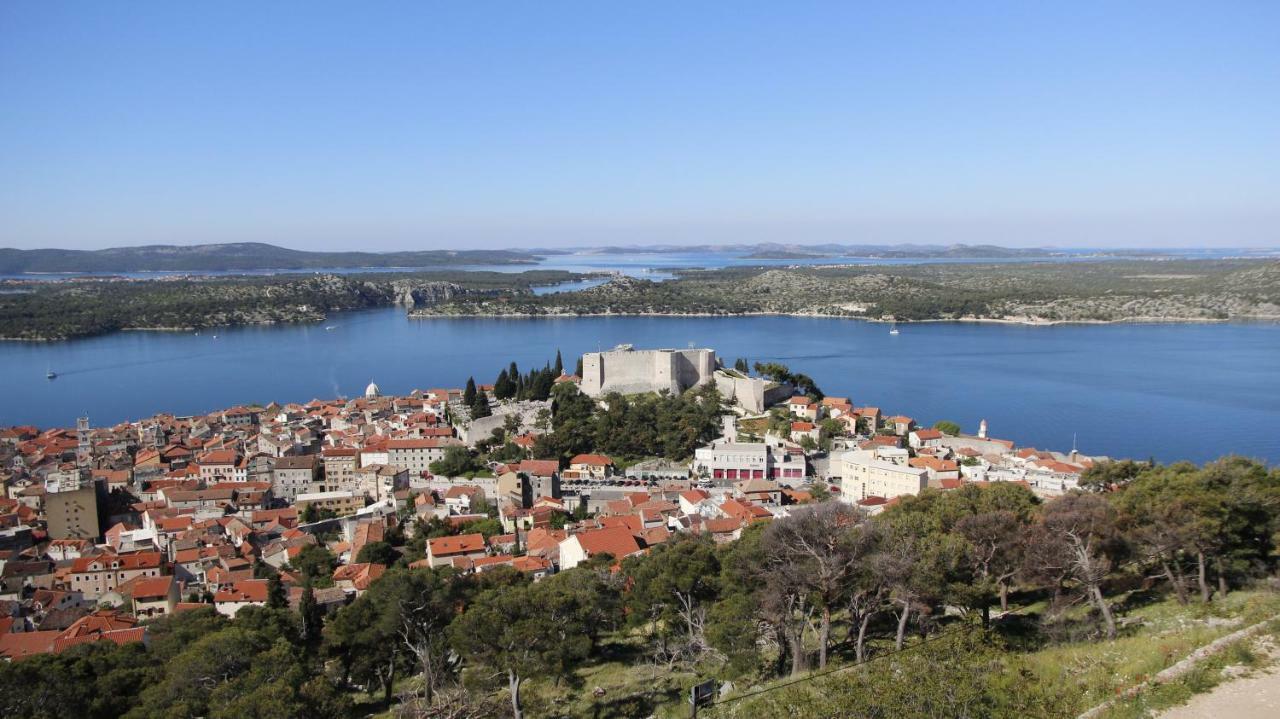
point(701, 695)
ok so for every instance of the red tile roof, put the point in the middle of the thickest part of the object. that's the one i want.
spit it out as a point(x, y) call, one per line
point(461, 544)
point(152, 587)
point(594, 460)
point(617, 541)
point(539, 467)
point(25, 644)
point(138, 560)
point(245, 590)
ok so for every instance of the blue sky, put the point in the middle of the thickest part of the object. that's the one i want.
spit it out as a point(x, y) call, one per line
point(423, 125)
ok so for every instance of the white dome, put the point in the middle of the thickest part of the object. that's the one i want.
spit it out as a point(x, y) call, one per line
point(372, 390)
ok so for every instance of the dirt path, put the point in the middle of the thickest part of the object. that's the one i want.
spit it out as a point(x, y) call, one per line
point(1253, 697)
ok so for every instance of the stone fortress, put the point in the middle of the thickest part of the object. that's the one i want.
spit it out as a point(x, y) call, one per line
point(627, 370)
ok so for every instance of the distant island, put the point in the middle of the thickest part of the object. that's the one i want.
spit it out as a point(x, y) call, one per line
point(1031, 292)
point(794, 251)
point(258, 257)
point(240, 256)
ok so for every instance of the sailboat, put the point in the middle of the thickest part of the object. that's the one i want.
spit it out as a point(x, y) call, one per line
point(893, 328)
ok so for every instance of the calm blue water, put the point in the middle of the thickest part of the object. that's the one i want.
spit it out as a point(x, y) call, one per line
point(1168, 391)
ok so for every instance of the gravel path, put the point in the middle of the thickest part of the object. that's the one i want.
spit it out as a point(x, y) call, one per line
point(1253, 697)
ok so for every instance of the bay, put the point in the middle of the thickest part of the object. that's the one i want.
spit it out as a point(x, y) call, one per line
point(1169, 391)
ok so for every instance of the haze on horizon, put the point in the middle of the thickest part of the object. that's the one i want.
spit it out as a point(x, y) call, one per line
point(419, 126)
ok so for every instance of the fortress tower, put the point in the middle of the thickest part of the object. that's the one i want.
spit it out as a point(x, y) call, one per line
point(630, 371)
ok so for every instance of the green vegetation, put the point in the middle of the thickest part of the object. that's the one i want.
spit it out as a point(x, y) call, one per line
point(198, 664)
point(647, 425)
point(1115, 290)
point(783, 374)
point(79, 308)
point(457, 462)
point(946, 426)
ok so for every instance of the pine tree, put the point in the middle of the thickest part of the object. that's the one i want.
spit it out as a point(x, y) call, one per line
point(469, 394)
point(480, 408)
point(502, 386)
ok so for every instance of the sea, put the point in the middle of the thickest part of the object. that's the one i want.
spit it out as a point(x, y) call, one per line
point(1164, 391)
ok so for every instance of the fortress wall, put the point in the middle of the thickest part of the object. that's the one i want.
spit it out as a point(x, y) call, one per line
point(634, 371)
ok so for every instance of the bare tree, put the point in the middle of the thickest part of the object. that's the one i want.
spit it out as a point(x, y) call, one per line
point(1082, 527)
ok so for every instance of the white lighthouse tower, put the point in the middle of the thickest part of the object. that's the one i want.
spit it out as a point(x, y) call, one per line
point(982, 429)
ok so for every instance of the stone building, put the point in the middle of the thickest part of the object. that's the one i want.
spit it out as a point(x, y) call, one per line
point(631, 371)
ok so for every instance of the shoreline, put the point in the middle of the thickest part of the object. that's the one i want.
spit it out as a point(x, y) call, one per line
point(1024, 322)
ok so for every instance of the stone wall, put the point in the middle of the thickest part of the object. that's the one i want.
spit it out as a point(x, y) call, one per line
point(632, 371)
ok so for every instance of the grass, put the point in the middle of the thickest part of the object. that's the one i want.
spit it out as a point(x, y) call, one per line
point(630, 686)
point(1207, 675)
point(1157, 635)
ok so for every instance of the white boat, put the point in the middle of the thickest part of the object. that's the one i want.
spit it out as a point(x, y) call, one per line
point(330, 328)
point(893, 329)
point(50, 375)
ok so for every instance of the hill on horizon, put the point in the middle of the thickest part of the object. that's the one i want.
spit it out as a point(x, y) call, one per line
point(237, 256)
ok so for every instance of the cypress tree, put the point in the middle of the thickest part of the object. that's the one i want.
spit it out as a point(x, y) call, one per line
point(312, 616)
point(559, 367)
point(469, 394)
point(578, 368)
point(276, 597)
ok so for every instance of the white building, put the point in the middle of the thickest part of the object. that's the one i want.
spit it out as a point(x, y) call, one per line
point(416, 455)
point(733, 461)
point(863, 475)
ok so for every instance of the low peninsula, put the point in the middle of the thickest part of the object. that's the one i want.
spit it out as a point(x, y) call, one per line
point(1029, 292)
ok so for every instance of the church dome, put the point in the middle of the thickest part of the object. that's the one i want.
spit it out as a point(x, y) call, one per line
point(372, 391)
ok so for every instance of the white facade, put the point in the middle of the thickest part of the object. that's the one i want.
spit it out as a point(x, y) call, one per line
point(572, 553)
point(733, 461)
point(862, 475)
